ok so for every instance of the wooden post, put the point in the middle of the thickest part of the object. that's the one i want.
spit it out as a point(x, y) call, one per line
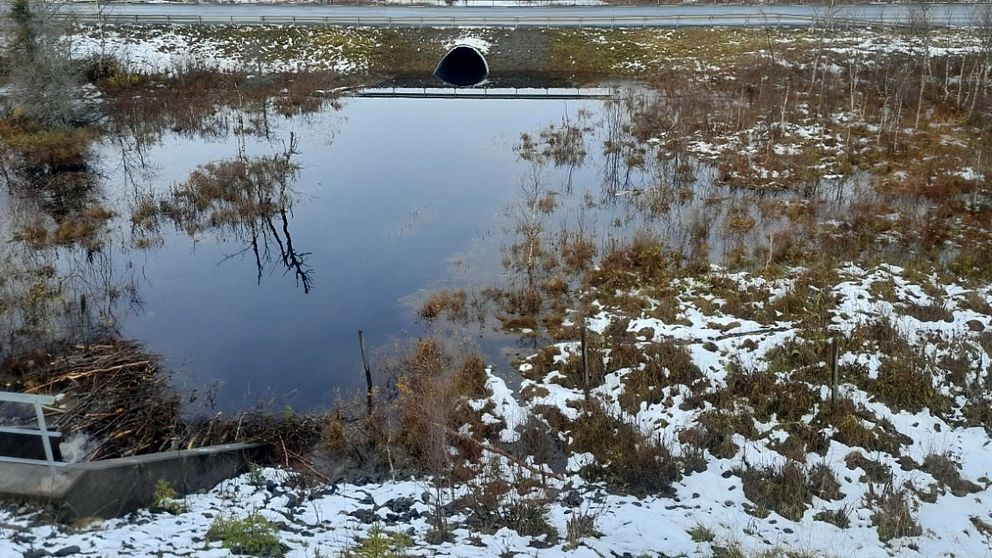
point(834, 377)
point(585, 364)
point(368, 371)
point(84, 322)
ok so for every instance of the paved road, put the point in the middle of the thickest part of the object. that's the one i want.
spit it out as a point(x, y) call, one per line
point(957, 15)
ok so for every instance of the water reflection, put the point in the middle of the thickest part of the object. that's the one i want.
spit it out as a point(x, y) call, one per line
point(248, 241)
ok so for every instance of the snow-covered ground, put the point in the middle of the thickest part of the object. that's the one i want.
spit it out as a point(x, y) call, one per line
point(709, 508)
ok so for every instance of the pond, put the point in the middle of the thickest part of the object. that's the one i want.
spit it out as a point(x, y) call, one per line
point(250, 253)
point(393, 197)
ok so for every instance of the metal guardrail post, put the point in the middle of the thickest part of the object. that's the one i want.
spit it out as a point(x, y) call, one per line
point(45, 441)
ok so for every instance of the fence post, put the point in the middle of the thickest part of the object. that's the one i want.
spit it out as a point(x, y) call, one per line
point(585, 363)
point(834, 376)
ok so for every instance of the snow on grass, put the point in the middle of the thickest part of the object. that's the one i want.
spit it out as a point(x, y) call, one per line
point(325, 520)
point(266, 49)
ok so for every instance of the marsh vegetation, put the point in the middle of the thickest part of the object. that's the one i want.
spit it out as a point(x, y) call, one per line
point(670, 279)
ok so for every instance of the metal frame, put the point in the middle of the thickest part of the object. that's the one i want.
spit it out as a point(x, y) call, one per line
point(46, 435)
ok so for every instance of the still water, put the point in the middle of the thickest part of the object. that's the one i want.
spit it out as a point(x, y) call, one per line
point(395, 197)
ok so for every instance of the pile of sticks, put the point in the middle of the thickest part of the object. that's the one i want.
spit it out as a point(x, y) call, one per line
point(114, 392)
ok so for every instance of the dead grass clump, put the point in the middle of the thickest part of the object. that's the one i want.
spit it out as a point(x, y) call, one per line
point(798, 354)
point(879, 334)
point(663, 364)
point(714, 431)
point(947, 471)
point(580, 525)
point(893, 517)
point(784, 490)
point(496, 500)
point(571, 368)
point(577, 252)
point(769, 396)
point(450, 303)
point(541, 363)
point(852, 430)
point(46, 151)
point(823, 484)
point(82, 228)
point(233, 194)
point(906, 384)
point(874, 471)
point(642, 261)
point(626, 460)
point(840, 517)
point(471, 378)
point(803, 440)
point(35, 234)
point(929, 313)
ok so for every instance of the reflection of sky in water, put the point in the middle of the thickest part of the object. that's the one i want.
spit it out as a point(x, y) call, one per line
point(390, 194)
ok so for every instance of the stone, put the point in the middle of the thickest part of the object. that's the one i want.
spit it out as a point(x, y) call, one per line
point(399, 505)
point(67, 551)
point(572, 499)
point(365, 516)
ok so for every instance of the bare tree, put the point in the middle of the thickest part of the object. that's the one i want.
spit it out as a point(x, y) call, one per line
point(43, 78)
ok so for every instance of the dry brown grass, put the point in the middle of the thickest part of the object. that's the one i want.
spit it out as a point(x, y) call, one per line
point(451, 304)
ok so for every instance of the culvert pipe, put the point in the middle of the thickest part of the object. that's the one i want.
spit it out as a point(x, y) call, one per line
point(463, 66)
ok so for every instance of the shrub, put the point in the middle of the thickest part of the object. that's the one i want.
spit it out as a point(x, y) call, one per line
point(164, 498)
point(379, 543)
point(252, 535)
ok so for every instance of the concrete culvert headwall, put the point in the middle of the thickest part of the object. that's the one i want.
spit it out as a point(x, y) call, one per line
point(463, 66)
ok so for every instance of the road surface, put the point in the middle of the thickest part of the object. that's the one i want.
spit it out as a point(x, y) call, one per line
point(955, 15)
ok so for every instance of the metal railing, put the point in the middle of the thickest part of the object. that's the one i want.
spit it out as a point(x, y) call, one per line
point(42, 431)
point(745, 20)
point(496, 93)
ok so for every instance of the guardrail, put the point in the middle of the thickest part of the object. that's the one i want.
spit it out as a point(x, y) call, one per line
point(42, 431)
point(737, 20)
point(498, 93)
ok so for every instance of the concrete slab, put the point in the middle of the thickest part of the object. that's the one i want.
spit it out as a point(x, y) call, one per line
point(113, 487)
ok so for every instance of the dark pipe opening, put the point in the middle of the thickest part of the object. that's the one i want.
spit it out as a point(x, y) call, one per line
point(463, 66)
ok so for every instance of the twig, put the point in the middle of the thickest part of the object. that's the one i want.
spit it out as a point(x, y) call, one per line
point(503, 453)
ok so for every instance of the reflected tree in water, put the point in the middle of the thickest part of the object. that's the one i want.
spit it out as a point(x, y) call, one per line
point(248, 198)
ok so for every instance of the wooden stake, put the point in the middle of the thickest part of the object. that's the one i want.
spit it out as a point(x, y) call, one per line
point(585, 364)
point(834, 376)
point(368, 371)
